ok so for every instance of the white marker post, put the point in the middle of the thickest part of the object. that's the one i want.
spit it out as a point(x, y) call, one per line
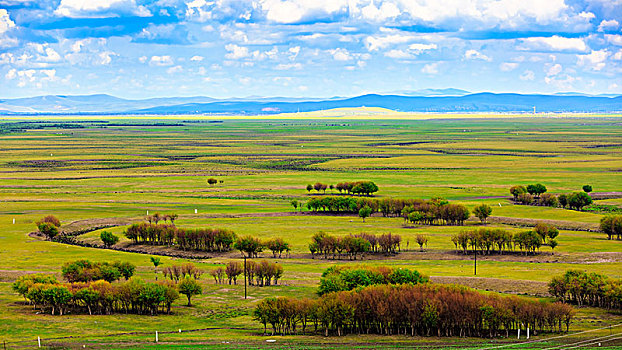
point(196, 211)
point(156, 336)
point(527, 333)
point(518, 334)
point(13, 221)
point(147, 212)
point(39, 341)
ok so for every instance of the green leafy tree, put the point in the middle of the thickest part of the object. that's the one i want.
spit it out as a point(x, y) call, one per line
point(294, 204)
point(156, 262)
point(517, 190)
point(48, 229)
point(563, 200)
point(587, 188)
point(212, 181)
point(365, 212)
point(108, 238)
point(248, 245)
point(309, 187)
point(482, 212)
point(578, 200)
point(189, 287)
point(536, 190)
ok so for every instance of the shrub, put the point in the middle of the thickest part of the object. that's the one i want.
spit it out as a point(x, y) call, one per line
point(189, 287)
point(108, 238)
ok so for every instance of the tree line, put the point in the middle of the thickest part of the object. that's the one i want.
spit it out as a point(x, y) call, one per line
point(337, 279)
point(351, 246)
point(436, 211)
point(582, 288)
point(497, 240)
point(422, 309)
point(203, 239)
point(536, 195)
point(357, 187)
point(261, 273)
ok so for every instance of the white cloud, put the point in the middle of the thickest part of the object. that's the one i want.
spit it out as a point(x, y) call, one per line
point(292, 11)
point(476, 55)
point(173, 70)
point(236, 52)
point(11, 74)
point(618, 55)
point(508, 66)
point(373, 43)
point(527, 76)
point(421, 47)
point(430, 68)
point(608, 25)
point(287, 66)
point(142, 59)
point(199, 10)
point(561, 81)
point(594, 60)
point(398, 54)
point(196, 58)
point(555, 43)
point(554, 70)
point(340, 54)
point(385, 11)
point(105, 57)
point(5, 21)
point(614, 39)
point(100, 8)
point(161, 61)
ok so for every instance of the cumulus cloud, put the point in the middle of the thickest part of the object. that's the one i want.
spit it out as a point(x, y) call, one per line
point(554, 43)
point(607, 25)
point(161, 61)
point(527, 75)
point(508, 66)
point(293, 11)
point(340, 54)
point(196, 58)
point(594, 60)
point(614, 39)
point(476, 55)
point(381, 13)
point(373, 43)
point(554, 70)
point(5, 21)
point(430, 68)
point(100, 9)
point(236, 52)
point(175, 69)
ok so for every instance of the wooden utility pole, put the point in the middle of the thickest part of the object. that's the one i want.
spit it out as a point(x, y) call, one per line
point(244, 277)
point(475, 261)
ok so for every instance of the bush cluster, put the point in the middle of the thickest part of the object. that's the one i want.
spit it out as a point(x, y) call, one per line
point(422, 309)
point(337, 279)
point(252, 246)
point(49, 226)
point(582, 288)
point(96, 297)
point(352, 245)
point(86, 271)
point(497, 240)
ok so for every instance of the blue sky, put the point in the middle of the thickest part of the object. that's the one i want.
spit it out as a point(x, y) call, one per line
point(316, 48)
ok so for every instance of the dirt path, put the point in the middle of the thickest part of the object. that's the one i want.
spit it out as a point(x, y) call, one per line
point(560, 224)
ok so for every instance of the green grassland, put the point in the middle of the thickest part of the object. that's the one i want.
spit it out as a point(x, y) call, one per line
point(81, 168)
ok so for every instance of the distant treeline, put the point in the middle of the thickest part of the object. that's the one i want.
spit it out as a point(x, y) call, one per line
point(422, 309)
point(498, 240)
point(357, 187)
point(582, 288)
point(261, 273)
point(352, 245)
point(435, 211)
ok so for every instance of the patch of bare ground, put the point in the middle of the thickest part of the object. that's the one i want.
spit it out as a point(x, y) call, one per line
point(499, 285)
point(12, 275)
point(560, 224)
point(605, 195)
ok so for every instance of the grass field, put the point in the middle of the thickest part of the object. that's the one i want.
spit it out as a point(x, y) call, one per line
point(82, 168)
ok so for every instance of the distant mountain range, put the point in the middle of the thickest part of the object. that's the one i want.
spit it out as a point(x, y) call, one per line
point(428, 100)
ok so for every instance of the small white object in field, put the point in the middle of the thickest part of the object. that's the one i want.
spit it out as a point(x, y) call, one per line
point(13, 221)
point(271, 341)
point(180, 330)
point(196, 211)
point(147, 212)
point(499, 204)
point(51, 154)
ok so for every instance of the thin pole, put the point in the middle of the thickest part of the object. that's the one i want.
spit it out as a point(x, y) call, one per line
point(244, 277)
point(475, 262)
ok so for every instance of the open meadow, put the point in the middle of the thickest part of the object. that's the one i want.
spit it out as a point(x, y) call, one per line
point(94, 170)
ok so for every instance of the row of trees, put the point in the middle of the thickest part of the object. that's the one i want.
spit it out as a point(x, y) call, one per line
point(497, 240)
point(611, 225)
point(337, 279)
point(422, 309)
point(582, 288)
point(86, 271)
point(535, 195)
point(96, 297)
point(357, 187)
point(261, 273)
point(429, 212)
point(352, 246)
point(207, 239)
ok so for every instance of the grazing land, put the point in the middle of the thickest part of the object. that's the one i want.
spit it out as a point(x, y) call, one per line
point(103, 173)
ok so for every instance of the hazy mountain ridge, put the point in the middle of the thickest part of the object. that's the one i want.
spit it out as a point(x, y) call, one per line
point(429, 100)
